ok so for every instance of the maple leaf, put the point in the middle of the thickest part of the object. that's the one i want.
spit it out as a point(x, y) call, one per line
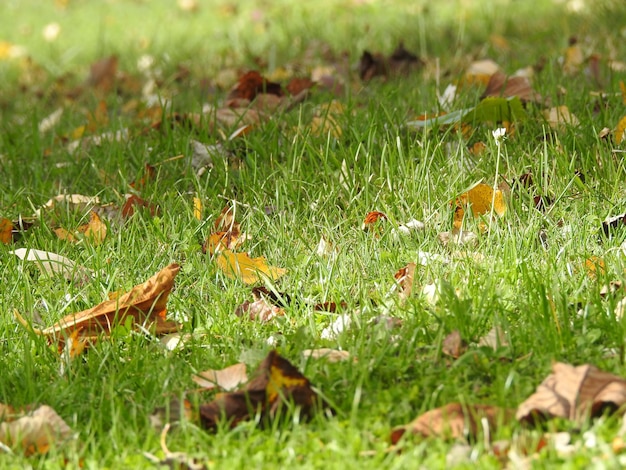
point(145, 304)
point(276, 383)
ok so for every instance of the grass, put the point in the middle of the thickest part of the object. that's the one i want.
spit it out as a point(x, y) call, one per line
point(549, 306)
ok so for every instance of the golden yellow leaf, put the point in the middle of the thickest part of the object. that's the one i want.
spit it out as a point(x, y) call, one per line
point(480, 198)
point(620, 130)
point(249, 270)
point(622, 87)
point(197, 208)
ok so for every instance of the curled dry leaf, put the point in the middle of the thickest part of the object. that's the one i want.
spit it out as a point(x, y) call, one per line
point(405, 278)
point(227, 232)
point(276, 384)
point(331, 355)
point(372, 222)
point(267, 305)
point(50, 264)
point(76, 202)
point(250, 85)
point(145, 305)
point(574, 393)
point(34, 432)
point(227, 379)
point(453, 421)
point(95, 231)
point(249, 270)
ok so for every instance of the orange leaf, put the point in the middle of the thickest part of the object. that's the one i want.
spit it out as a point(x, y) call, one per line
point(145, 304)
point(6, 231)
point(95, 230)
point(249, 270)
point(620, 130)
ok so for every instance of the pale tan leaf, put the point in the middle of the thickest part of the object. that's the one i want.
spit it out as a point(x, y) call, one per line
point(51, 263)
point(36, 432)
point(227, 379)
point(574, 393)
point(331, 355)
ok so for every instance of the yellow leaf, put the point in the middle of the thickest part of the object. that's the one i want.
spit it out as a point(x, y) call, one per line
point(249, 270)
point(480, 198)
point(197, 208)
point(622, 87)
point(619, 130)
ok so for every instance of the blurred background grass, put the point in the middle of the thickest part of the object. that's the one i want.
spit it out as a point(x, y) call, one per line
point(219, 33)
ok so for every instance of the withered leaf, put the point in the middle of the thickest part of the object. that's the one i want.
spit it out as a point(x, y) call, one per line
point(501, 85)
point(452, 421)
point(227, 233)
point(276, 383)
point(250, 85)
point(34, 432)
point(404, 277)
point(6, 231)
point(574, 393)
point(145, 304)
point(453, 345)
point(103, 74)
point(331, 355)
point(134, 202)
point(227, 379)
point(51, 263)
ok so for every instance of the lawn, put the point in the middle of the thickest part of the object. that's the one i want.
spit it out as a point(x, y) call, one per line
point(305, 168)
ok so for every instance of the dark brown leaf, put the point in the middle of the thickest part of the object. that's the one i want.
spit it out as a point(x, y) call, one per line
point(276, 383)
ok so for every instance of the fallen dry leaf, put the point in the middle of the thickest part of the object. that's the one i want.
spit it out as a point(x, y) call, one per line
point(276, 383)
point(6, 231)
point(134, 202)
point(501, 85)
point(620, 131)
point(372, 221)
point(481, 198)
point(405, 278)
point(34, 432)
point(50, 263)
point(226, 379)
point(145, 304)
point(74, 202)
point(495, 339)
point(453, 421)
point(227, 232)
point(95, 231)
point(250, 85)
point(103, 74)
point(560, 118)
point(331, 355)
point(400, 62)
point(574, 393)
point(453, 345)
point(249, 270)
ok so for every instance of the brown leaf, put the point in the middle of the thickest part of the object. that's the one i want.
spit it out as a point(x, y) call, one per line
point(35, 432)
point(453, 345)
point(103, 74)
point(260, 310)
point(227, 234)
point(496, 338)
point(145, 304)
point(501, 85)
point(227, 379)
point(404, 277)
point(574, 393)
point(134, 202)
point(250, 85)
point(453, 421)
point(298, 85)
point(371, 219)
point(276, 382)
point(149, 175)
